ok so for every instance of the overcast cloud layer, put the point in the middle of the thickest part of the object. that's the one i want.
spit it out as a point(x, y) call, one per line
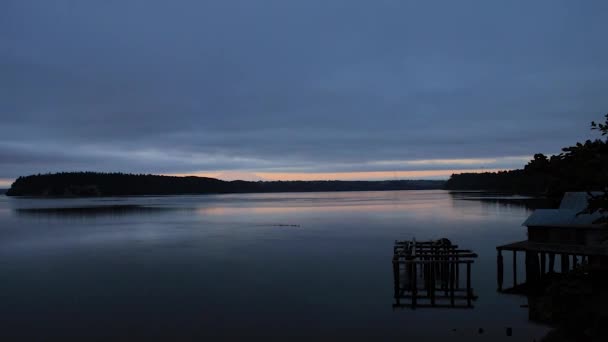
point(296, 86)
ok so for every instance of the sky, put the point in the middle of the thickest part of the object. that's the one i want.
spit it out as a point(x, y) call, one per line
point(279, 89)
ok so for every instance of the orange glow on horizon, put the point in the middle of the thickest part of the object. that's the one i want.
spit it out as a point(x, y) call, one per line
point(362, 175)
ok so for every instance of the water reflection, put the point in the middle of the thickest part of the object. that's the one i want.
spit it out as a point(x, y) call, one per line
point(320, 208)
point(498, 199)
point(91, 211)
point(217, 268)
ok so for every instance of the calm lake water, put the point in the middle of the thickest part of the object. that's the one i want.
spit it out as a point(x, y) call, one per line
point(278, 266)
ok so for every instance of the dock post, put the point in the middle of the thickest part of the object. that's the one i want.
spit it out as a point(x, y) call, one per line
point(432, 286)
point(457, 271)
point(446, 274)
point(543, 264)
point(532, 269)
point(396, 276)
point(438, 267)
point(499, 267)
point(414, 286)
point(469, 292)
point(452, 279)
point(565, 263)
point(514, 268)
point(409, 268)
point(427, 275)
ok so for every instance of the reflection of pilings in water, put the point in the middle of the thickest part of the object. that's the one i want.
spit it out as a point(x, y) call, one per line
point(437, 265)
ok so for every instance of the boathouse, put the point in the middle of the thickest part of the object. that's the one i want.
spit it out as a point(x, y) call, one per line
point(567, 225)
point(577, 238)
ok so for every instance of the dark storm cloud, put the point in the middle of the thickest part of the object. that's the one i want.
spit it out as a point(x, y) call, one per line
point(303, 86)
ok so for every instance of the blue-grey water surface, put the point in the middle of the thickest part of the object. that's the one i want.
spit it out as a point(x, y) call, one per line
point(281, 266)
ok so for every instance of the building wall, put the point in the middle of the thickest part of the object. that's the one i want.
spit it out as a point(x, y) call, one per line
point(567, 235)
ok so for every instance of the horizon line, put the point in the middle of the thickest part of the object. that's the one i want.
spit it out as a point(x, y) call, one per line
point(369, 176)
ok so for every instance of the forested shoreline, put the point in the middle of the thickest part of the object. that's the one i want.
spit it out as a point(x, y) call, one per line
point(80, 184)
point(582, 167)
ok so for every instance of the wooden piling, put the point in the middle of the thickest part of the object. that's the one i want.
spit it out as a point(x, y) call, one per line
point(452, 280)
point(446, 273)
point(543, 264)
point(396, 276)
point(532, 268)
point(437, 266)
point(414, 287)
point(565, 263)
point(427, 275)
point(469, 292)
point(432, 287)
point(514, 268)
point(457, 270)
point(500, 269)
point(536, 260)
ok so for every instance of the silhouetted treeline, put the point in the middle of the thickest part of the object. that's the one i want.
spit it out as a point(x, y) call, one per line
point(504, 181)
point(120, 184)
point(583, 167)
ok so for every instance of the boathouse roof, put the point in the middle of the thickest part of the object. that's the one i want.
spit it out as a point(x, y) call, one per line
point(567, 215)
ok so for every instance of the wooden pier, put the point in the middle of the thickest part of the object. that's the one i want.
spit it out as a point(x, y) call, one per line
point(540, 261)
point(559, 240)
point(428, 274)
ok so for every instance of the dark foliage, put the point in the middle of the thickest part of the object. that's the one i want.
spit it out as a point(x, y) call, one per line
point(120, 184)
point(582, 167)
point(599, 203)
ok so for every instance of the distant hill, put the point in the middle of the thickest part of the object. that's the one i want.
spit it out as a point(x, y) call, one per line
point(3, 191)
point(80, 184)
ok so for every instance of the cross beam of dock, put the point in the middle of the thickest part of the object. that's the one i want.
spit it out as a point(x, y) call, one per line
point(428, 274)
